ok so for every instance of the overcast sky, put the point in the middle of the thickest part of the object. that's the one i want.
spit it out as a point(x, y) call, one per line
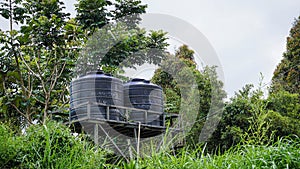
point(248, 36)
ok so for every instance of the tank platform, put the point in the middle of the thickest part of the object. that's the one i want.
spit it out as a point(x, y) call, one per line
point(109, 129)
point(122, 127)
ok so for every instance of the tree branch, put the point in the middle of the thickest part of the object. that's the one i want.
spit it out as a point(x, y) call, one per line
point(24, 115)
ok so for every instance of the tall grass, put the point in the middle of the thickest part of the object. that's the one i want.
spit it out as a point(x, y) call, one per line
point(285, 153)
point(53, 146)
point(48, 146)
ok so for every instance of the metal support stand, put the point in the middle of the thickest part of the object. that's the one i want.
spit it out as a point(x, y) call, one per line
point(135, 130)
point(129, 148)
point(138, 142)
point(89, 110)
point(112, 141)
point(96, 134)
point(107, 112)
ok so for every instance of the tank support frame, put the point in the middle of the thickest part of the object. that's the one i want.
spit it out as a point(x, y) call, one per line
point(136, 130)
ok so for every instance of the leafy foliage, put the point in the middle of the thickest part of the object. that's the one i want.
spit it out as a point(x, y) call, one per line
point(249, 118)
point(47, 146)
point(37, 60)
point(41, 56)
point(284, 113)
point(282, 154)
point(176, 76)
point(53, 146)
point(287, 76)
point(92, 14)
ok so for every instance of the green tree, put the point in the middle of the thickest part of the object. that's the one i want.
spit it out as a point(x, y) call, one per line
point(284, 108)
point(10, 72)
point(116, 40)
point(92, 14)
point(250, 118)
point(43, 56)
point(194, 97)
point(37, 60)
point(243, 119)
point(287, 74)
point(128, 11)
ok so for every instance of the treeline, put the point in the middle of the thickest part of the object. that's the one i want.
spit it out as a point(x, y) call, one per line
point(250, 116)
point(254, 118)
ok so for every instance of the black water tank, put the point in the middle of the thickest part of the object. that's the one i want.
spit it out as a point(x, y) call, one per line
point(96, 87)
point(141, 94)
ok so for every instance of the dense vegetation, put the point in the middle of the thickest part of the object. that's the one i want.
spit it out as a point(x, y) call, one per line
point(37, 61)
point(53, 146)
point(286, 75)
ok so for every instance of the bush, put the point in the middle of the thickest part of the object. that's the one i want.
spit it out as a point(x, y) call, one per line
point(249, 118)
point(48, 146)
point(10, 147)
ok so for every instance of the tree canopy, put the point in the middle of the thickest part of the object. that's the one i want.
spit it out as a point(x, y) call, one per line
point(287, 73)
point(38, 58)
point(189, 91)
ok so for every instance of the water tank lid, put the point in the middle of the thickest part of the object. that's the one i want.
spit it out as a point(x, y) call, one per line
point(137, 80)
point(140, 81)
point(96, 75)
point(99, 72)
point(95, 72)
point(107, 74)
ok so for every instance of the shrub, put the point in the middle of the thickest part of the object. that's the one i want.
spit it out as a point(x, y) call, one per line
point(10, 147)
point(48, 146)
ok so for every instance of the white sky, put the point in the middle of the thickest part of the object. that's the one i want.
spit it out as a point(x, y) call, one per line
point(248, 36)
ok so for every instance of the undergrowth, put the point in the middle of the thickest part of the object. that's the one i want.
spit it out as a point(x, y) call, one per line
point(53, 146)
point(285, 153)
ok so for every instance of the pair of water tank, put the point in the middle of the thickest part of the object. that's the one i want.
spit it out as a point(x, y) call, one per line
point(98, 87)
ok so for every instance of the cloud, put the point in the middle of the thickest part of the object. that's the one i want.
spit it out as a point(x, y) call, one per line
point(249, 36)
